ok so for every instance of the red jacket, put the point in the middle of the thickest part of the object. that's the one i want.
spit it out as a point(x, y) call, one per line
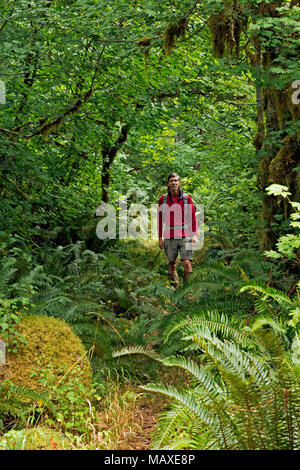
point(176, 217)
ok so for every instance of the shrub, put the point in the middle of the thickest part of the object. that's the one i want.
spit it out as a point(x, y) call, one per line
point(49, 342)
point(48, 378)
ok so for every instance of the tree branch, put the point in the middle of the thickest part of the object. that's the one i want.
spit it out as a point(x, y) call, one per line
point(7, 20)
point(47, 127)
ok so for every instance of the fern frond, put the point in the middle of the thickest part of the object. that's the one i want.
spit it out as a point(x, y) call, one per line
point(138, 350)
point(185, 398)
point(216, 322)
point(268, 292)
point(167, 425)
point(268, 321)
point(203, 376)
point(26, 392)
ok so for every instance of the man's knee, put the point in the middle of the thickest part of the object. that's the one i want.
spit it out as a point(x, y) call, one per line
point(172, 266)
point(187, 265)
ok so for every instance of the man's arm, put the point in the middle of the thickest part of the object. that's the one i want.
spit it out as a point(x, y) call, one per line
point(160, 223)
point(194, 222)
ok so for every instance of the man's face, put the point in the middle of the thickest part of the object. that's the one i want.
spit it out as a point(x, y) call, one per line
point(174, 183)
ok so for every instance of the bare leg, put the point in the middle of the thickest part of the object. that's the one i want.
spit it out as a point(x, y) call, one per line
point(187, 266)
point(173, 276)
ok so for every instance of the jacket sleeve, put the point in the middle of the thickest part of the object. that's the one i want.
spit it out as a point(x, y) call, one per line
point(194, 218)
point(159, 217)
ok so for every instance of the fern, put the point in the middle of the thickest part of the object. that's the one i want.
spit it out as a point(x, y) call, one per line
point(14, 400)
point(275, 309)
point(137, 350)
point(167, 426)
point(215, 321)
point(269, 292)
point(240, 399)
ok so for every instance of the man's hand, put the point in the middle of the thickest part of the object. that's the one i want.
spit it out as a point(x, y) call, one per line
point(161, 243)
point(194, 239)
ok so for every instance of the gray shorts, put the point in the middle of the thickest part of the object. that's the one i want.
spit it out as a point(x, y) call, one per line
point(184, 245)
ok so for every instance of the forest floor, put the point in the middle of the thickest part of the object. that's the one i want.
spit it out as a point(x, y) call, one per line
point(128, 418)
point(128, 415)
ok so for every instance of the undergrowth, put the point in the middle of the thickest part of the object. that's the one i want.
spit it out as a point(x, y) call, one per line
point(120, 298)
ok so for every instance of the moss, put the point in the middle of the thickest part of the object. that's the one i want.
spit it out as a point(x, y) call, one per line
point(220, 29)
point(269, 8)
point(282, 166)
point(281, 106)
point(258, 140)
point(3, 369)
point(40, 438)
point(50, 342)
point(174, 31)
point(144, 42)
point(226, 28)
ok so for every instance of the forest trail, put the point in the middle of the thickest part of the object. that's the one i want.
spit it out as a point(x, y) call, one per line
point(129, 415)
point(99, 103)
point(146, 416)
point(129, 418)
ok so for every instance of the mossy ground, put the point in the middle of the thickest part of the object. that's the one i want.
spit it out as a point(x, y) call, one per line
point(50, 342)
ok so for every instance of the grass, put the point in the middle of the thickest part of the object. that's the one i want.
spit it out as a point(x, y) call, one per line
point(127, 418)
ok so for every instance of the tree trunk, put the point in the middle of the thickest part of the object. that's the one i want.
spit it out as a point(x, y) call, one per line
point(278, 147)
point(109, 153)
point(278, 160)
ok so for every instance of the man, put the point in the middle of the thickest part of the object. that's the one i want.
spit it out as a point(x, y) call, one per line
point(177, 228)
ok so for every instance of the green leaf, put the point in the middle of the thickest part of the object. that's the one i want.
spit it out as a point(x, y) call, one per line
point(278, 190)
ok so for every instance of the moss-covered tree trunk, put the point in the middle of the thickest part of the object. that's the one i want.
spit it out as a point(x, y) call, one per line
point(277, 142)
point(278, 138)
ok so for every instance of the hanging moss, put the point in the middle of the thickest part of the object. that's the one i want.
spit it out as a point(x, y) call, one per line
point(173, 32)
point(144, 42)
point(226, 28)
point(220, 30)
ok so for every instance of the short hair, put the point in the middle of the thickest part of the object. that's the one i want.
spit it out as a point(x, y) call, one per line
point(173, 175)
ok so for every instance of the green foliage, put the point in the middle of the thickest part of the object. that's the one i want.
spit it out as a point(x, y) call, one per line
point(39, 438)
point(9, 318)
point(288, 245)
point(105, 99)
point(15, 293)
point(73, 411)
point(237, 399)
point(12, 400)
point(277, 311)
point(241, 388)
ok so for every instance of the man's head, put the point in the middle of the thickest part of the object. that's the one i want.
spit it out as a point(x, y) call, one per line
point(174, 182)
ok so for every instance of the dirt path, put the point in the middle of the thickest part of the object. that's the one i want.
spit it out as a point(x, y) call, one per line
point(128, 419)
point(147, 419)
